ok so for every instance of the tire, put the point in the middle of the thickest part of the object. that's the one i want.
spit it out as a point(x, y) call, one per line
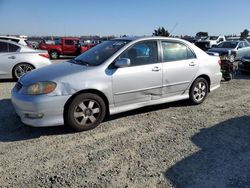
point(21, 69)
point(86, 111)
point(229, 77)
point(54, 54)
point(198, 91)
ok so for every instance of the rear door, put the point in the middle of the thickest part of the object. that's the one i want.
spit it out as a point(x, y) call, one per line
point(180, 66)
point(8, 58)
point(142, 80)
point(69, 46)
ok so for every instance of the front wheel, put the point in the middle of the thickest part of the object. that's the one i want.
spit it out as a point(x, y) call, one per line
point(198, 91)
point(54, 54)
point(85, 112)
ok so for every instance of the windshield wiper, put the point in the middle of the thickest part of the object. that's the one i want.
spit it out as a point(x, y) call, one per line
point(81, 61)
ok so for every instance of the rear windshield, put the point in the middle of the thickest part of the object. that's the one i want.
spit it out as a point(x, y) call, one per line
point(231, 44)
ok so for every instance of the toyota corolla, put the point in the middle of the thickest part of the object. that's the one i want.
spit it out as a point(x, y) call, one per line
point(115, 76)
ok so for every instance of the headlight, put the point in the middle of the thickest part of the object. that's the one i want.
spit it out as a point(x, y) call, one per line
point(41, 88)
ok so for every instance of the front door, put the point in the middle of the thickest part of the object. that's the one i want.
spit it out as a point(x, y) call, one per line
point(142, 80)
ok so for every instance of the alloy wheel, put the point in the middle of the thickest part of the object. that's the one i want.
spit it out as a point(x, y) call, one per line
point(22, 69)
point(200, 91)
point(87, 112)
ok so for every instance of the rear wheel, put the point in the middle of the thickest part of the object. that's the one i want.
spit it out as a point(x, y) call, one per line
point(85, 112)
point(228, 77)
point(198, 91)
point(54, 54)
point(21, 69)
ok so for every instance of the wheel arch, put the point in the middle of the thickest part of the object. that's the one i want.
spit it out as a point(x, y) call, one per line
point(55, 50)
point(12, 71)
point(206, 77)
point(93, 91)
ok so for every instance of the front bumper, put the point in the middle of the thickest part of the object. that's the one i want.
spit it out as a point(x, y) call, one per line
point(39, 110)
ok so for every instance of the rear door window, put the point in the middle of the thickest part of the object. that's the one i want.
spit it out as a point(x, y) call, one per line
point(69, 42)
point(174, 51)
point(13, 48)
point(3, 47)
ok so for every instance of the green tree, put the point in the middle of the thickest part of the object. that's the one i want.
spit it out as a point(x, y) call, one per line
point(161, 31)
point(244, 34)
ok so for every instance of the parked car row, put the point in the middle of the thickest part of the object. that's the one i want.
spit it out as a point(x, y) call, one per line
point(16, 59)
point(65, 46)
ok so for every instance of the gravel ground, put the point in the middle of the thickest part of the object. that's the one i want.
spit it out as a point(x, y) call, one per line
point(169, 145)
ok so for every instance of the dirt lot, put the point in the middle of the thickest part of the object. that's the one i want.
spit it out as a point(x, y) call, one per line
point(170, 145)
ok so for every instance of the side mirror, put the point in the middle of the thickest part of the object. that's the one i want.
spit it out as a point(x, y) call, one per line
point(123, 62)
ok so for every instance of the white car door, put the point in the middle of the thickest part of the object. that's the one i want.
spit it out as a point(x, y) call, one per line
point(142, 80)
point(179, 67)
point(8, 58)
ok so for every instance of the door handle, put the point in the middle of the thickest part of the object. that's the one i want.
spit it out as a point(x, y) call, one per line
point(12, 57)
point(192, 64)
point(156, 69)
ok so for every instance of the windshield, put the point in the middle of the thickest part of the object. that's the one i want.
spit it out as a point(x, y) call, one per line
point(212, 38)
point(231, 44)
point(100, 53)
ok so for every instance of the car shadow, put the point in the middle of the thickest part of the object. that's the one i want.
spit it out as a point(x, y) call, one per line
point(12, 129)
point(222, 161)
point(7, 80)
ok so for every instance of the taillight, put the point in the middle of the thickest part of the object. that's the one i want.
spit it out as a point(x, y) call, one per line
point(219, 61)
point(45, 55)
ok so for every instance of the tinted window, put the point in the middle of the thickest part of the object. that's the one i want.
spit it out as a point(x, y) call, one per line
point(246, 44)
point(15, 40)
point(142, 53)
point(3, 47)
point(231, 44)
point(240, 45)
point(69, 42)
point(176, 51)
point(13, 48)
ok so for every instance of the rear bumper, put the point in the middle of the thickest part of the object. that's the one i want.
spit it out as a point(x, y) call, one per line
point(40, 110)
point(215, 81)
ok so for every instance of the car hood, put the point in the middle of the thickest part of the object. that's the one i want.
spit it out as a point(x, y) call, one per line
point(54, 72)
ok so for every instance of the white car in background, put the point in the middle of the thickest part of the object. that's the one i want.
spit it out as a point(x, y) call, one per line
point(19, 40)
point(16, 59)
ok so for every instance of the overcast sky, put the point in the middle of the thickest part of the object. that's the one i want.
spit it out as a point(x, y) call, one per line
point(119, 17)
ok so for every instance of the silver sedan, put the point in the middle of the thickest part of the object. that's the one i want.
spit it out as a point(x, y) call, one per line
point(16, 59)
point(115, 76)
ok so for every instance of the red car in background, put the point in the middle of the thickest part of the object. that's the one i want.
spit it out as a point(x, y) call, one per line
point(65, 46)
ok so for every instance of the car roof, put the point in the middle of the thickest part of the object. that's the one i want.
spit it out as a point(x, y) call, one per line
point(12, 37)
point(11, 42)
point(149, 38)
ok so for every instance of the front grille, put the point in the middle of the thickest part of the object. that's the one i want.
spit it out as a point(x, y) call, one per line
point(18, 86)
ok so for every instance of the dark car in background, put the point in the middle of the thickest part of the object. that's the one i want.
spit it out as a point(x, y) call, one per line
point(237, 49)
point(244, 64)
